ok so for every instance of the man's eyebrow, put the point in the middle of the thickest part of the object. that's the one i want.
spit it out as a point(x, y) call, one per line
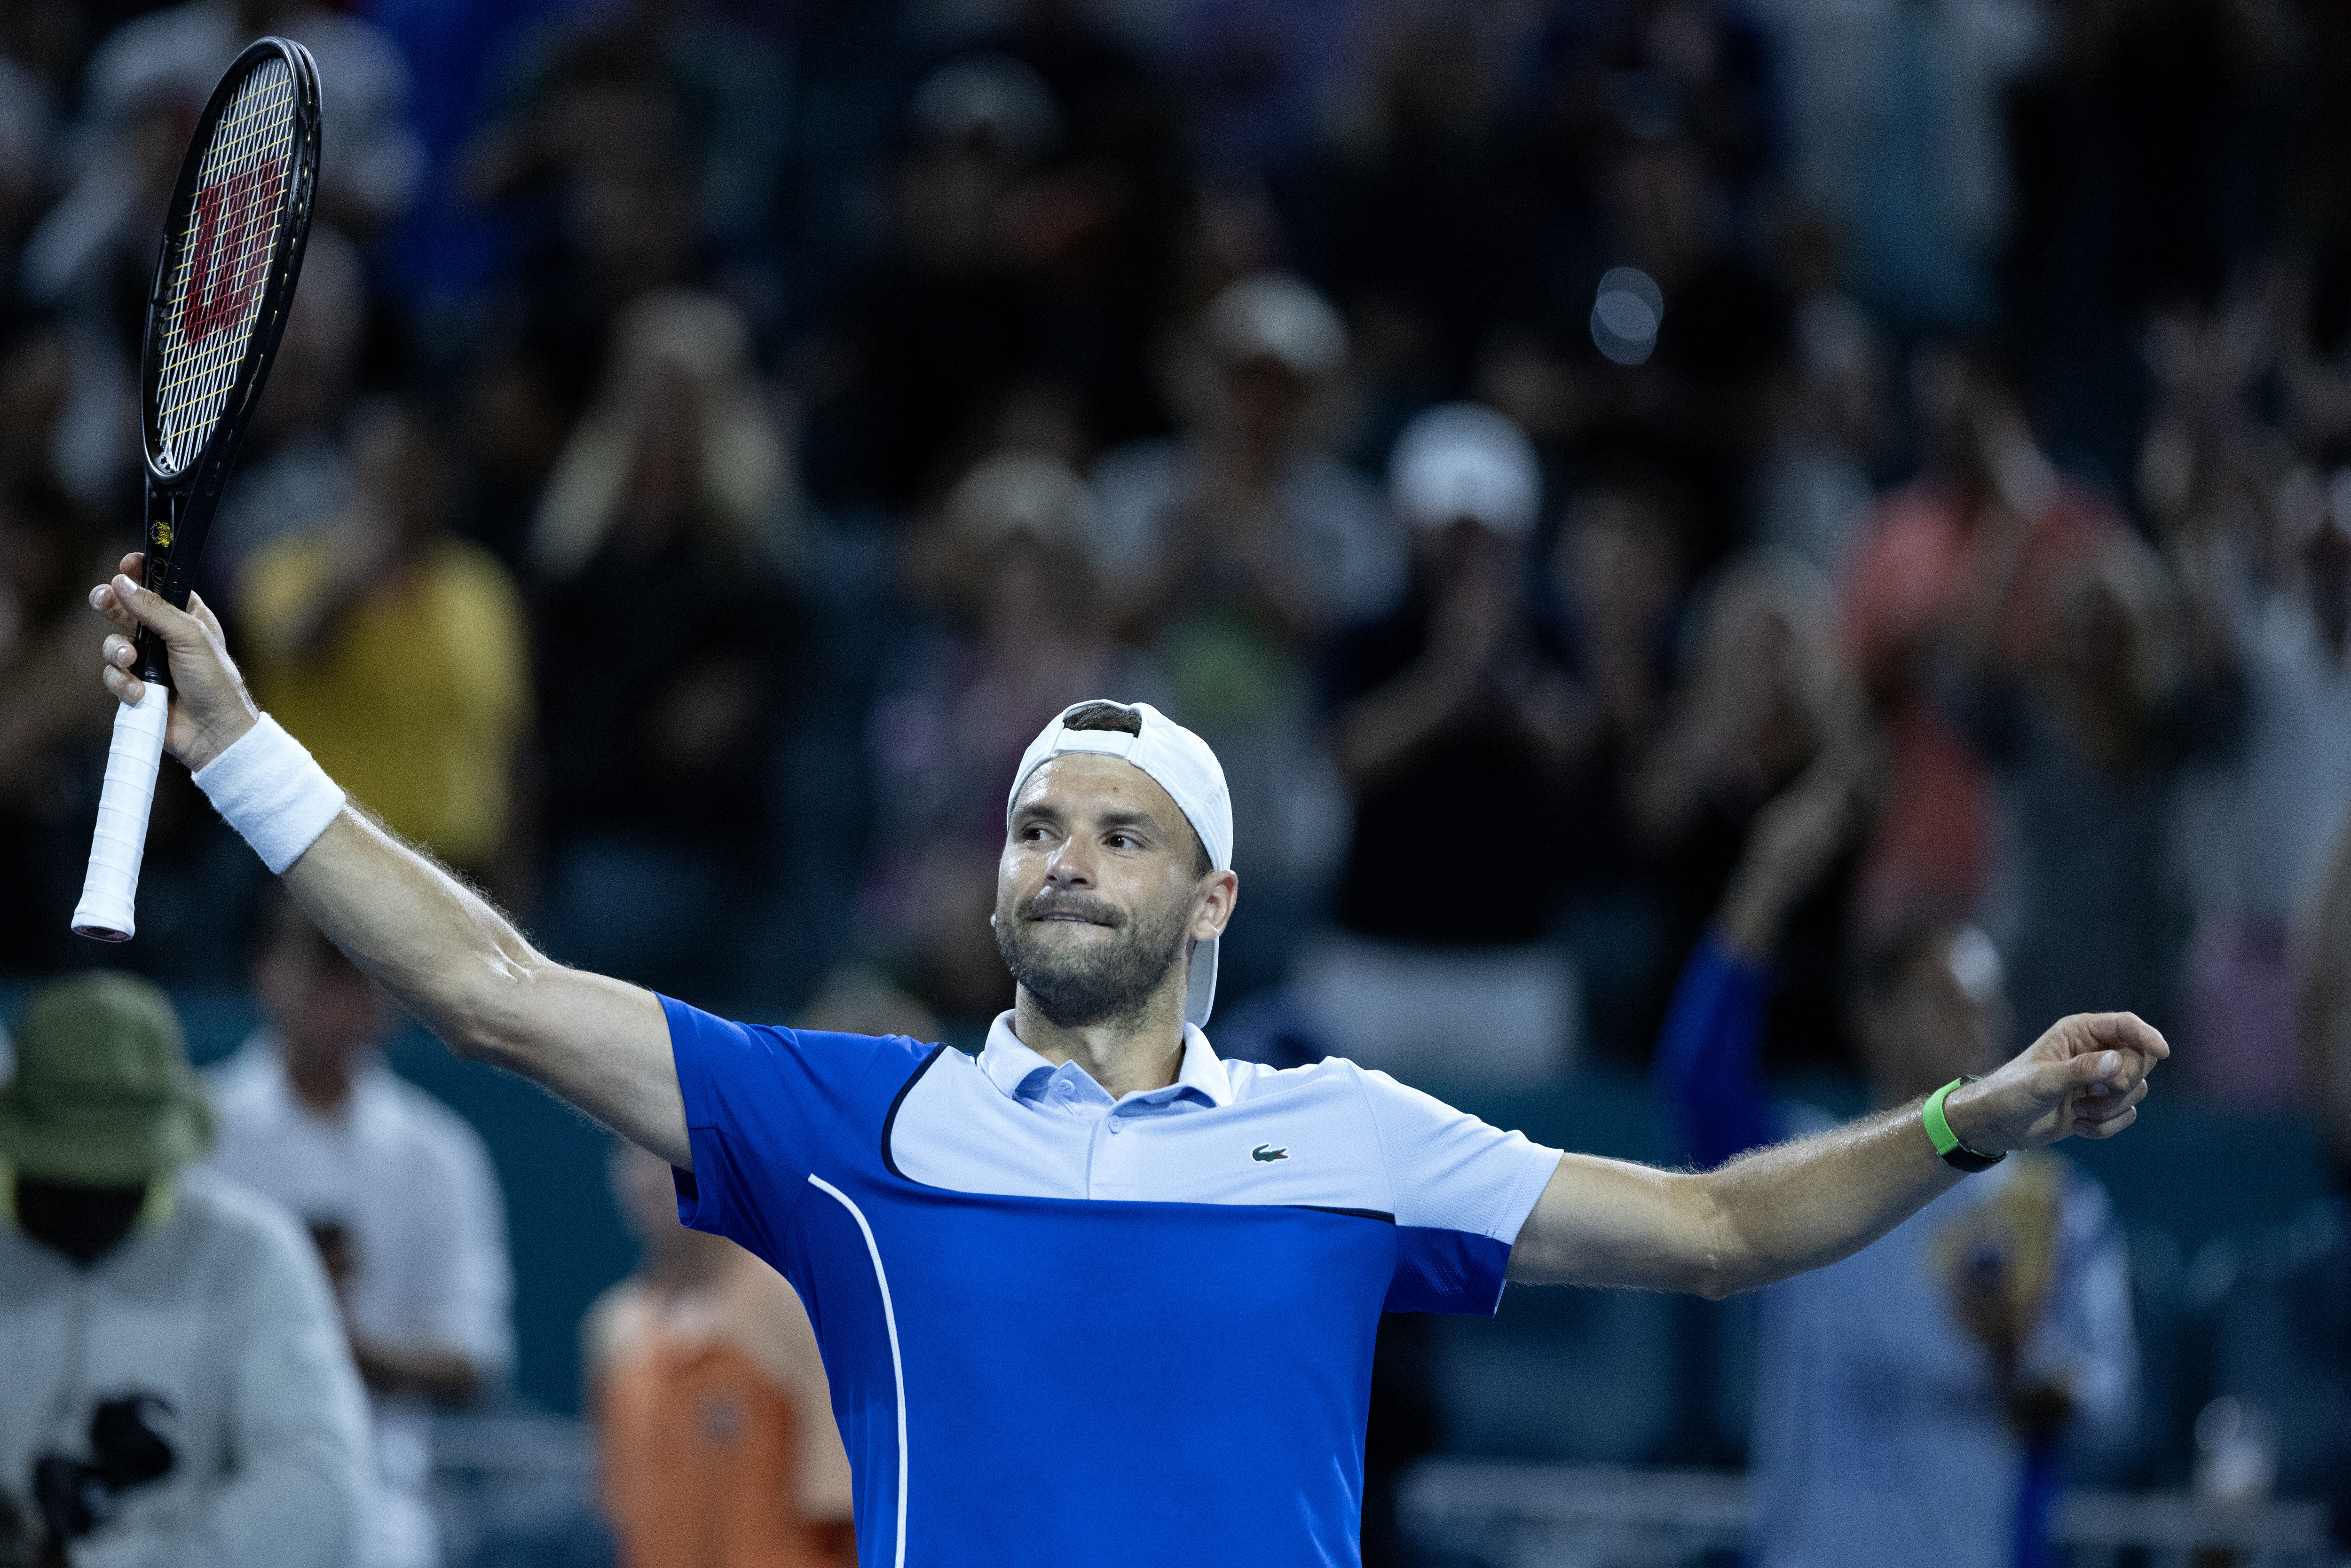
point(1043, 810)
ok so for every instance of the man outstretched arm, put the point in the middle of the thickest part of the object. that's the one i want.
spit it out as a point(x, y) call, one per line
point(1780, 1210)
point(437, 945)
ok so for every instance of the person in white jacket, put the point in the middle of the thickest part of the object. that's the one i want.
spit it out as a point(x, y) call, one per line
point(175, 1384)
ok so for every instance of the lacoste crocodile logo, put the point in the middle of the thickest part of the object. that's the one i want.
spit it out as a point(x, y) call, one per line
point(1266, 1154)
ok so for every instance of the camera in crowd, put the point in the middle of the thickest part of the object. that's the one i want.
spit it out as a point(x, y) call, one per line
point(130, 1444)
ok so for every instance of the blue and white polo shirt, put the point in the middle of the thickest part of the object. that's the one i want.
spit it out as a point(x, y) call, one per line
point(1062, 1330)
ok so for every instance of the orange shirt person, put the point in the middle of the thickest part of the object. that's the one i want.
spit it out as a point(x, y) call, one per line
point(715, 1421)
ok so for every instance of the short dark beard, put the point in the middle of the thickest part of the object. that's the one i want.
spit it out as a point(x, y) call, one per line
point(1110, 983)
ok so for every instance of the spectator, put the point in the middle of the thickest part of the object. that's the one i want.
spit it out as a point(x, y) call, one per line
point(1260, 77)
point(1918, 1389)
point(1616, 574)
point(1020, 633)
point(513, 417)
point(28, 128)
point(2286, 794)
point(398, 1196)
point(296, 470)
point(48, 731)
point(1896, 129)
point(1815, 489)
point(398, 655)
point(713, 1412)
point(178, 1393)
point(602, 94)
point(370, 158)
point(635, 150)
point(1762, 700)
point(1978, 536)
point(1102, 224)
point(1454, 707)
point(935, 338)
point(1231, 552)
point(2089, 741)
point(1424, 222)
point(665, 646)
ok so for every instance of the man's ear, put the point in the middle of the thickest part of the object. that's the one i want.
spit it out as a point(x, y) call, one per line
point(1219, 895)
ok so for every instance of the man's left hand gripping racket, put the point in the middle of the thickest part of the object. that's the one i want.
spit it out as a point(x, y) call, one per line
point(232, 249)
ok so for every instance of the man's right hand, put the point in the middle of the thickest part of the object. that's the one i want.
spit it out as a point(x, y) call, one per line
point(211, 710)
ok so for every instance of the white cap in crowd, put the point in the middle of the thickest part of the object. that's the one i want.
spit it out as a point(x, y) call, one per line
point(1277, 316)
point(1463, 460)
point(1180, 763)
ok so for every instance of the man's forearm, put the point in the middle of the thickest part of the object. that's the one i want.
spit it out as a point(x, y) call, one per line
point(1797, 1206)
point(440, 950)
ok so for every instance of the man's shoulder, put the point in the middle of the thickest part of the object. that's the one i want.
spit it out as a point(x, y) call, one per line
point(725, 1062)
point(1255, 1080)
point(1339, 1086)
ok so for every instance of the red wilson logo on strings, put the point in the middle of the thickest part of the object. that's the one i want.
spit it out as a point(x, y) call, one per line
point(235, 221)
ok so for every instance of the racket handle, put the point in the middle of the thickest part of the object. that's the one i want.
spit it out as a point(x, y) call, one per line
point(109, 894)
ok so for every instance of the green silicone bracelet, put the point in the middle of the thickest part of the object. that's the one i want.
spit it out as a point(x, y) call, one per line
point(1956, 1155)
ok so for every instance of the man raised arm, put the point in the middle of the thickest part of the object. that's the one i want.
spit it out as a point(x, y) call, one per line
point(433, 943)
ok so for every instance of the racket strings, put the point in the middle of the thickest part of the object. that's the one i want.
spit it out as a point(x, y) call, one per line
point(225, 250)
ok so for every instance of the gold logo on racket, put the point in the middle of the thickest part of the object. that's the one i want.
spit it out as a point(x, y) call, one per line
point(162, 533)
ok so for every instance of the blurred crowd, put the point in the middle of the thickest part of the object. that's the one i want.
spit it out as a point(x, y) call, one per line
point(709, 440)
point(1636, 492)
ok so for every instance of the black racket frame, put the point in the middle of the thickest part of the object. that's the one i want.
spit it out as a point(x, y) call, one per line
point(180, 505)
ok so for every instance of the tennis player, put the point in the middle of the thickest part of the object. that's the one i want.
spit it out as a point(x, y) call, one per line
point(1094, 1295)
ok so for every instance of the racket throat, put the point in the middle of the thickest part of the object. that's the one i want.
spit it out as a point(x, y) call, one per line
point(166, 512)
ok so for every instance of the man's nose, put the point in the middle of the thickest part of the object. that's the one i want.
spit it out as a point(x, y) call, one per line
point(1071, 864)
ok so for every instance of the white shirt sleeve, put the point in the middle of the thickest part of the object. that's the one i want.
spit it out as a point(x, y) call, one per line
point(1450, 1171)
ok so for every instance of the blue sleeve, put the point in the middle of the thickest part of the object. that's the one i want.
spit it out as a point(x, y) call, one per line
point(761, 1101)
point(1709, 1068)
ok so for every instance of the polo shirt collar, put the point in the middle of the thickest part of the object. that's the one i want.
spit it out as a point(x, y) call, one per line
point(1009, 1064)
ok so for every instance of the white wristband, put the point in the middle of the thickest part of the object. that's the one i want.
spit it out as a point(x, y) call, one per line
point(268, 788)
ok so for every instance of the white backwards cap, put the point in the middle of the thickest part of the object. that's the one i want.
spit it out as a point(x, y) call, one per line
point(1180, 763)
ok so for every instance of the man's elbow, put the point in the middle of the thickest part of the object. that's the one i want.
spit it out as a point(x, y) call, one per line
point(498, 1014)
point(1715, 1263)
point(1721, 1284)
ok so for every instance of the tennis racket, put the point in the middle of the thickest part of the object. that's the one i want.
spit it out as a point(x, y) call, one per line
point(232, 249)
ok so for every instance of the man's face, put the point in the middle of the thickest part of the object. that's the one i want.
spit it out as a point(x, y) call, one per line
point(1096, 895)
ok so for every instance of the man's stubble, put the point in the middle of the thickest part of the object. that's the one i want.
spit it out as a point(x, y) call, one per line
point(1101, 981)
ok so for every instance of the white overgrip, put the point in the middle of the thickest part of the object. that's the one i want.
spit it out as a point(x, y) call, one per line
point(111, 893)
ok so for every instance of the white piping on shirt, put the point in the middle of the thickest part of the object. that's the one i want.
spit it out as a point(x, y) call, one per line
point(897, 1366)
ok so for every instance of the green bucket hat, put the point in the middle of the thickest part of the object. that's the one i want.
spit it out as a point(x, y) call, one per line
point(103, 1095)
